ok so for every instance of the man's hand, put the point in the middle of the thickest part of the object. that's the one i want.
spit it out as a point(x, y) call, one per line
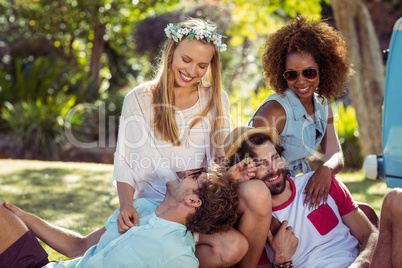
point(275, 225)
point(284, 243)
point(318, 186)
point(16, 210)
point(127, 218)
point(244, 170)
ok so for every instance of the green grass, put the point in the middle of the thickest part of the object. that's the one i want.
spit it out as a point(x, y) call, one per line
point(80, 196)
point(365, 190)
point(77, 196)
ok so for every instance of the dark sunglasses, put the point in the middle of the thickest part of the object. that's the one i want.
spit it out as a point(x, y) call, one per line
point(197, 173)
point(308, 73)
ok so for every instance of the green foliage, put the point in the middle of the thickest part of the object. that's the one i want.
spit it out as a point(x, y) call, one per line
point(257, 17)
point(68, 27)
point(33, 81)
point(38, 126)
point(96, 121)
point(257, 98)
point(110, 105)
point(37, 91)
point(244, 104)
point(348, 134)
point(85, 88)
point(251, 22)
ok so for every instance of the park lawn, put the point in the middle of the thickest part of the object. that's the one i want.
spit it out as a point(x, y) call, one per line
point(77, 196)
point(80, 196)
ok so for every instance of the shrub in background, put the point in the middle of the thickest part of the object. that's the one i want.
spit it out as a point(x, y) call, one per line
point(348, 134)
point(98, 121)
point(34, 80)
point(37, 127)
point(34, 102)
point(243, 104)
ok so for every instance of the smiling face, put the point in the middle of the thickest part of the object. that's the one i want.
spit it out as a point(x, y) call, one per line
point(303, 87)
point(191, 60)
point(270, 167)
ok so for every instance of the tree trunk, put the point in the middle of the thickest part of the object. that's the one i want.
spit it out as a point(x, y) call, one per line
point(367, 85)
point(97, 50)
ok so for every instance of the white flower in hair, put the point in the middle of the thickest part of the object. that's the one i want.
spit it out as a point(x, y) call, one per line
point(199, 33)
point(180, 33)
point(169, 29)
point(210, 34)
point(185, 31)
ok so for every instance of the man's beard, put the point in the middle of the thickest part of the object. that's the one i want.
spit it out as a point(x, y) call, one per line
point(280, 186)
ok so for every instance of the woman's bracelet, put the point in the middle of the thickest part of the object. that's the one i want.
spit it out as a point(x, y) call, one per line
point(286, 264)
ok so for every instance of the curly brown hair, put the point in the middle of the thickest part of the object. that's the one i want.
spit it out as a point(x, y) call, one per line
point(322, 42)
point(218, 194)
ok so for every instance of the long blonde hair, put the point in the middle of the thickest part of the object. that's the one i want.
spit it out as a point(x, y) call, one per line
point(164, 114)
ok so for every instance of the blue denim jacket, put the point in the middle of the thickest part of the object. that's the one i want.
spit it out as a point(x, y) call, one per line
point(301, 135)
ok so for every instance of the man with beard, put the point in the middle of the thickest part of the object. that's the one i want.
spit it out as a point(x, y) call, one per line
point(336, 234)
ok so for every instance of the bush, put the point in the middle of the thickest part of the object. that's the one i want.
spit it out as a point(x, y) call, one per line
point(33, 80)
point(348, 134)
point(34, 102)
point(37, 127)
point(244, 104)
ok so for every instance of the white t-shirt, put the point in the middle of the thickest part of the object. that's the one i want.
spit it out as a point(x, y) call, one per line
point(324, 241)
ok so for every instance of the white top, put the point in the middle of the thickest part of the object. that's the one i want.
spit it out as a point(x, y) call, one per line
point(191, 153)
point(144, 160)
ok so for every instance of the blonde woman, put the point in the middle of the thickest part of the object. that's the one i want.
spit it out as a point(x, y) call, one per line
point(176, 124)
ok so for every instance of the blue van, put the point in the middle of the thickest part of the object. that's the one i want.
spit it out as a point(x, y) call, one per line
point(388, 165)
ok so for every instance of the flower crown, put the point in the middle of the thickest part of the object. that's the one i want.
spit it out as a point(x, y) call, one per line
point(176, 33)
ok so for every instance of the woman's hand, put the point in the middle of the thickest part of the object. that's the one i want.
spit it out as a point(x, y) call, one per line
point(127, 218)
point(317, 187)
point(244, 170)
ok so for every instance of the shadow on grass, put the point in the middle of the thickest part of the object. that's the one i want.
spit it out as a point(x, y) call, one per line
point(36, 177)
point(79, 199)
point(368, 191)
point(364, 186)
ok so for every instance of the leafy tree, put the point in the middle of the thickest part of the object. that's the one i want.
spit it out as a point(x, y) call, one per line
point(256, 18)
point(80, 31)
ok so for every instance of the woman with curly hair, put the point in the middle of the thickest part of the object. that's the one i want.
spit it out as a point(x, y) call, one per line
point(307, 64)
